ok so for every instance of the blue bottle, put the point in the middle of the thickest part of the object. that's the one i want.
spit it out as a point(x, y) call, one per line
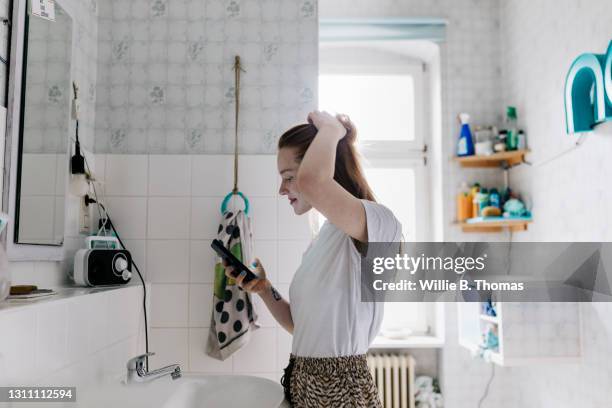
point(494, 198)
point(465, 145)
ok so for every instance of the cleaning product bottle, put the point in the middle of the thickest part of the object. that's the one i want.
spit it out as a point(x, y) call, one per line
point(511, 123)
point(483, 199)
point(464, 203)
point(473, 191)
point(495, 198)
point(465, 145)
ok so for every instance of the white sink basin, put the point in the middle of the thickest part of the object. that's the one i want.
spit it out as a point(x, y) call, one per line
point(189, 391)
point(227, 392)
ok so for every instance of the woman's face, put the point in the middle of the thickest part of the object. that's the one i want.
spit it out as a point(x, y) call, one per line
point(287, 168)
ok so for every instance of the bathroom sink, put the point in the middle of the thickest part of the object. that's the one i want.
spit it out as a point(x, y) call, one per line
point(227, 391)
point(189, 391)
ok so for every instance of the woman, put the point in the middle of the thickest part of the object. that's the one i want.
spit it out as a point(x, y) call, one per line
point(332, 329)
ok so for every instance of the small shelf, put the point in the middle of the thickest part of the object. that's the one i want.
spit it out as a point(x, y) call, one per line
point(495, 224)
point(510, 158)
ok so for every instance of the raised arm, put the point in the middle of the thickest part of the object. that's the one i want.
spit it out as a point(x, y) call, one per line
point(315, 179)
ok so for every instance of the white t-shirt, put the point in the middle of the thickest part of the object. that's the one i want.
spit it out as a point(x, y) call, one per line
point(329, 318)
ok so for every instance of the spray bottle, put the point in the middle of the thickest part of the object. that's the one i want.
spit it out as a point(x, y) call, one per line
point(465, 145)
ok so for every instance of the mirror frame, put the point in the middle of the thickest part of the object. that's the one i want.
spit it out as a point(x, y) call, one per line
point(15, 251)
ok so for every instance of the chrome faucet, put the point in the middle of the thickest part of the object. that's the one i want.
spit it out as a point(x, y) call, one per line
point(136, 371)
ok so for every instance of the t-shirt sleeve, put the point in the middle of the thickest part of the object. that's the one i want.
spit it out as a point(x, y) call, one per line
point(381, 223)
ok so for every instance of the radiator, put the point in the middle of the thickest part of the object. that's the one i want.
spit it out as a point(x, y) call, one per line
point(394, 378)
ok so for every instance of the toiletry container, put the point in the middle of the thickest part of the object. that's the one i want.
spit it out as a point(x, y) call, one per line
point(464, 203)
point(511, 123)
point(522, 141)
point(482, 200)
point(465, 145)
point(495, 198)
point(473, 192)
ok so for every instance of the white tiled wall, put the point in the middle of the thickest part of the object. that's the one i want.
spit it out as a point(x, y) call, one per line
point(71, 341)
point(165, 80)
point(169, 207)
point(569, 194)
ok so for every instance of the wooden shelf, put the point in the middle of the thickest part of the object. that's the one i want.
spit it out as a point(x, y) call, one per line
point(495, 225)
point(510, 158)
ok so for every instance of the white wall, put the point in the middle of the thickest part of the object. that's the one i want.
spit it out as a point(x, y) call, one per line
point(74, 340)
point(571, 195)
point(167, 209)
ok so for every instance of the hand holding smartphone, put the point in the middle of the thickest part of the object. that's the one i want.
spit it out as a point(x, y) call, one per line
point(228, 257)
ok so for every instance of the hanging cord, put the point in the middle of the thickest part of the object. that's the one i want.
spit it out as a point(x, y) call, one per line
point(486, 391)
point(555, 157)
point(107, 219)
point(237, 69)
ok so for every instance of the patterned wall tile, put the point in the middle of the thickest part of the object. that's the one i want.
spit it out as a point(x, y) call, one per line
point(172, 62)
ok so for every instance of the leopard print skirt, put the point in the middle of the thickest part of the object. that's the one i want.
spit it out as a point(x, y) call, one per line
point(326, 382)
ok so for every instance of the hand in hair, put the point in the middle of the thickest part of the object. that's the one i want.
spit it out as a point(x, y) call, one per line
point(337, 125)
point(330, 178)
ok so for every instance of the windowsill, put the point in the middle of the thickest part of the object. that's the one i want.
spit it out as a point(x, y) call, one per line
point(409, 342)
point(63, 293)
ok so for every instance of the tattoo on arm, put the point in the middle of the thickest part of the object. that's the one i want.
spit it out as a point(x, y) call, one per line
point(275, 294)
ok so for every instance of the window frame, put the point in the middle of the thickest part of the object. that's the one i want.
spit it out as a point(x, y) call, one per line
point(394, 153)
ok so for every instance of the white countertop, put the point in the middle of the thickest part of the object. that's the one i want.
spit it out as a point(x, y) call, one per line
point(63, 293)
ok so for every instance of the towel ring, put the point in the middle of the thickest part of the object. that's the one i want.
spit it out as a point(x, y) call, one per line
point(229, 196)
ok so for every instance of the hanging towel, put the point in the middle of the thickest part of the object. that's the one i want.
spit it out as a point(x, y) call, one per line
point(233, 316)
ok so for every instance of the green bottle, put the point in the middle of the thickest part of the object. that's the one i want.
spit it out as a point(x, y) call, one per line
point(512, 128)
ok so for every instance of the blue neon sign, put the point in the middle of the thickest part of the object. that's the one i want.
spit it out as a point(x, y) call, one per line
point(588, 91)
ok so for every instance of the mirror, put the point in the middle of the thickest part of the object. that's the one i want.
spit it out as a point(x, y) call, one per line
point(42, 167)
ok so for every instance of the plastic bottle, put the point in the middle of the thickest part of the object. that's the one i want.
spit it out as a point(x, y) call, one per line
point(465, 145)
point(522, 141)
point(495, 198)
point(483, 199)
point(473, 191)
point(464, 203)
point(512, 129)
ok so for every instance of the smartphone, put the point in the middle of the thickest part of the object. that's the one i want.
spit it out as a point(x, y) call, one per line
point(225, 254)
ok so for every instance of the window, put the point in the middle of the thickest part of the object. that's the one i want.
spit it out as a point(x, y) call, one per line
point(385, 98)
point(382, 105)
point(386, 108)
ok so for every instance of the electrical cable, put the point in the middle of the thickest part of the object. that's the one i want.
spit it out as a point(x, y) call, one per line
point(89, 200)
point(486, 391)
point(578, 143)
point(144, 289)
